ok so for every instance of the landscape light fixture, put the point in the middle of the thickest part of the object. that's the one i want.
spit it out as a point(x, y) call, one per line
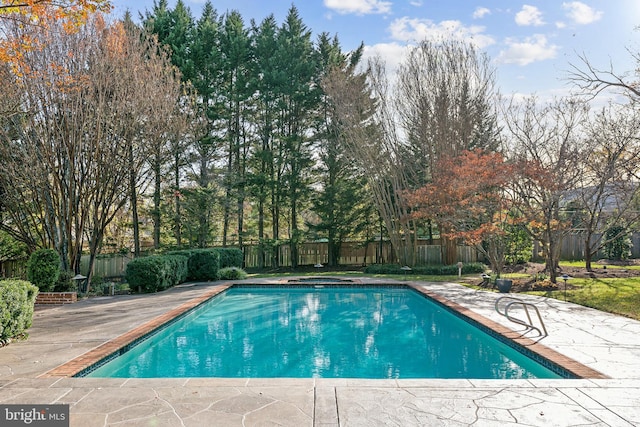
point(79, 278)
point(405, 269)
point(485, 279)
point(565, 277)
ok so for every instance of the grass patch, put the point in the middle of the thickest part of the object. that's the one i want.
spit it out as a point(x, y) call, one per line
point(580, 264)
point(613, 295)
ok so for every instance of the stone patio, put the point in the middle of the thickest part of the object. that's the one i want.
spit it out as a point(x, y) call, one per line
point(603, 342)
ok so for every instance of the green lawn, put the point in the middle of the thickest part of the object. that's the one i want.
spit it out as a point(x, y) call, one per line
point(580, 264)
point(615, 295)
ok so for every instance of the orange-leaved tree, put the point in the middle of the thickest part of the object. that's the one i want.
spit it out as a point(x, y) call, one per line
point(468, 199)
point(71, 13)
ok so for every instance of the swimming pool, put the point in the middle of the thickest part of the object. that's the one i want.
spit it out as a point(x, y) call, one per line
point(322, 332)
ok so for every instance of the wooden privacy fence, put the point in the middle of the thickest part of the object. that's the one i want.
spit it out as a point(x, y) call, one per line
point(351, 254)
point(355, 253)
point(313, 253)
point(106, 267)
point(572, 248)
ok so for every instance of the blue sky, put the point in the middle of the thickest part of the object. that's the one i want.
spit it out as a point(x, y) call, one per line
point(531, 43)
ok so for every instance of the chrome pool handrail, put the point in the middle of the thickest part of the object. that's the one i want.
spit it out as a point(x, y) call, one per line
point(542, 330)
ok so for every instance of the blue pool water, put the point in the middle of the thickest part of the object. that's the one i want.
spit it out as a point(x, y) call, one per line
point(331, 332)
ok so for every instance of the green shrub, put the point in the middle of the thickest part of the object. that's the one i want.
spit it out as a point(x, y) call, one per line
point(618, 243)
point(179, 266)
point(473, 268)
point(204, 264)
point(518, 244)
point(64, 283)
point(182, 252)
point(427, 270)
point(383, 269)
point(17, 298)
point(43, 269)
point(230, 257)
point(156, 273)
point(232, 273)
point(145, 274)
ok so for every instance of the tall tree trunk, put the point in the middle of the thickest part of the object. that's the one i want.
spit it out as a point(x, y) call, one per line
point(133, 199)
point(450, 249)
point(275, 215)
point(240, 221)
point(176, 196)
point(331, 248)
point(293, 242)
point(227, 200)
point(588, 255)
point(203, 219)
point(261, 260)
point(94, 246)
point(156, 206)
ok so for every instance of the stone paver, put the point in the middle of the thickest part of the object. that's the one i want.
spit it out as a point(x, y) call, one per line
point(604, 343)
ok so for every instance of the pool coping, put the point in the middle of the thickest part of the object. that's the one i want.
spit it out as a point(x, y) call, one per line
point(103, 352)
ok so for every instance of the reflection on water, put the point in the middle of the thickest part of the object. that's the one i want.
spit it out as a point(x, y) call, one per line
point(329, 333)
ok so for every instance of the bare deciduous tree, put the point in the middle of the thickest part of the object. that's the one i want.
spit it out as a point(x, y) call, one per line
point(441, 104)
point(371, 138)
point(607, 190)
point(547, 143)
point(71, 157)
point(446, 101)
point(445, 98)
point(592, 81)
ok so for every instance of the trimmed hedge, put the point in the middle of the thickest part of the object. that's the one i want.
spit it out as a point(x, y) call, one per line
point(204, 264)
point(430, 270)
point(159, 272)
point(43, 269)
point(230, 257)
point(17, 299)
point(156, 273)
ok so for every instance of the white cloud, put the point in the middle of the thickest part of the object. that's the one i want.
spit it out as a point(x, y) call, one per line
point(359, 7)
point(416, 3)
point(481, 12)
point(580, 13)
point(531, 49)
point(414, 29)
point(391, 53)
point(529, 15)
